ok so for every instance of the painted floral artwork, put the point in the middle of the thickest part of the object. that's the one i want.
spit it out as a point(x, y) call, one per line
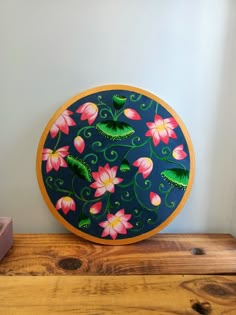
point(115, 164)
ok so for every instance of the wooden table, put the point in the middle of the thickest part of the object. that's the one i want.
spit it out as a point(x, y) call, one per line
point(166, 274)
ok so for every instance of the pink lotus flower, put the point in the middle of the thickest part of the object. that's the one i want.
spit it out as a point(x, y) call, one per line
point(132, 114)
point(155, 199)
point(161, 129)
point(79, 144)
point(179, 153)
point(55, 159)
point(105, 179)
point(116, 224)
point(96, 208)
point(145, 166)
point(89, 111)
point(65, 204)
point(63, 122)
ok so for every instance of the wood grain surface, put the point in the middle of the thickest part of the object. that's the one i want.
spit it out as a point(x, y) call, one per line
point(67, 254)
point(103, 295)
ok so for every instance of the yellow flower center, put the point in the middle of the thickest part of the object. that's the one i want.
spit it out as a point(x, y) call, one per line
point(93, 107)
point(54, 155)
point(108, 181)
point(161, 127)
point(67, 199)
point(115, 222)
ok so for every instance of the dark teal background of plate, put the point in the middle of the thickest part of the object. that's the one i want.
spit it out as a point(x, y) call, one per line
point(142, 220)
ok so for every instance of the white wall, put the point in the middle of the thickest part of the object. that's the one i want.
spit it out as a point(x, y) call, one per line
point(183, 51)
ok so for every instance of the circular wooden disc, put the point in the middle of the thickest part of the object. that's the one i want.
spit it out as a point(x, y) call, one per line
point(115, 164)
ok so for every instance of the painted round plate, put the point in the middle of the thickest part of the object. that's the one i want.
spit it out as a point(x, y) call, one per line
point(115, 164)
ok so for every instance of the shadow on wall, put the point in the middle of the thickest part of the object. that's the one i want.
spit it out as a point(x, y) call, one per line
point(221, 181)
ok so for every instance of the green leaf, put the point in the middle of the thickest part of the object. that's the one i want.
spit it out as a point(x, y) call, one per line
point(115, 130)
point(79, 167)
point(125, 167)
point(84, 223)
point(177, 177)
point(119, 101)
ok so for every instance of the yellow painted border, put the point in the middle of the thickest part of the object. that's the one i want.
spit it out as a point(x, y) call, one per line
point(39, 164)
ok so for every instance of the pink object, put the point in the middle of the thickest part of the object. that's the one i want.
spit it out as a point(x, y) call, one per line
point(178, 153)
point(6, 240)
point(145, 166)
point(89, 111)
point(116, 223)
point(63, 122)
point(79, 144)
point(161, 129)
point(105, 180)
point(132, 114)
point(55, 159)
